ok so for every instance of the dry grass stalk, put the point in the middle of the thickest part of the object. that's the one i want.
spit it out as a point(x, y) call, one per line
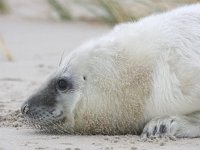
point(6, 52)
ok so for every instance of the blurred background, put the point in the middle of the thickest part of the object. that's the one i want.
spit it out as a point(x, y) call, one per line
point(106, 11)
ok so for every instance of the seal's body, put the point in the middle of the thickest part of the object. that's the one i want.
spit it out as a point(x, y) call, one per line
point(117, 83)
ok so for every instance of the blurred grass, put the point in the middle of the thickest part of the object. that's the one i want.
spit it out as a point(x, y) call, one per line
point(3, 7)
point(112, 11)
point(62, 11)
point(116, 11)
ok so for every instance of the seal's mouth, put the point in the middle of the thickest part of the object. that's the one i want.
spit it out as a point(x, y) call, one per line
point(45, 119)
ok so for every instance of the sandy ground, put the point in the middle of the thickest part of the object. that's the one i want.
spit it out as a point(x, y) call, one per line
point(36, 48)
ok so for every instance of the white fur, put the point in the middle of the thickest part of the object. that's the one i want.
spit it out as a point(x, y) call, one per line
point(137, 72)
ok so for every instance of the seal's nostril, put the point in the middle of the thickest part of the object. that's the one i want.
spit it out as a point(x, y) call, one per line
point(57, 113)
point(25, 109)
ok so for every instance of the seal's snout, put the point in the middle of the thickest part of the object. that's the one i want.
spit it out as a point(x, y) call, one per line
point(42, 109)
point(25, 108)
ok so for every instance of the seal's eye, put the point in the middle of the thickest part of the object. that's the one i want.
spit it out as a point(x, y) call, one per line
point(62, 84)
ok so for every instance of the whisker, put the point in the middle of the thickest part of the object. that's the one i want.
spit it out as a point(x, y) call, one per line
point(61, 59)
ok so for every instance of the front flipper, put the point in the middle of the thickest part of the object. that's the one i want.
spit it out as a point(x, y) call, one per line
point(178, 126)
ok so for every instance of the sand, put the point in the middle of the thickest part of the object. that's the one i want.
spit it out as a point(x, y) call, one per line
point(36, 48)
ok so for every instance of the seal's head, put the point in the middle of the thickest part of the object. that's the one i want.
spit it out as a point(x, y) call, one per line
point(57, 104)
point(96, 89)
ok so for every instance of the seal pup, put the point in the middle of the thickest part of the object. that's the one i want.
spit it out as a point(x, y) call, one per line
point(141, 77)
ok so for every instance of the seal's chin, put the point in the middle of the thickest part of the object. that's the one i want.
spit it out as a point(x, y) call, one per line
point(49, 126)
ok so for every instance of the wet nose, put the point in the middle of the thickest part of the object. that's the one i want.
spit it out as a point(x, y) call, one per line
point(25, 108)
